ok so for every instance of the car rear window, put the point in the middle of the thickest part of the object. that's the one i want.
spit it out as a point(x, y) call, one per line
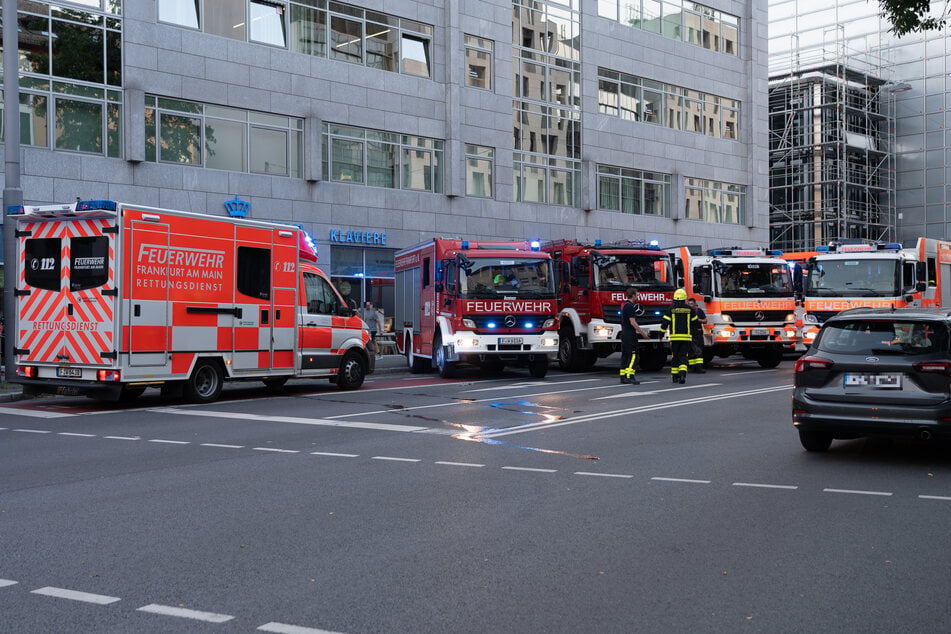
point(883, 337)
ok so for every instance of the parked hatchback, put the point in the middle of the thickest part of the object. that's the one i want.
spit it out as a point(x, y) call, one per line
point(875, 372)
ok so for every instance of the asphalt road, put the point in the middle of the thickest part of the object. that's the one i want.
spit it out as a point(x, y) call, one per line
point(481, 504)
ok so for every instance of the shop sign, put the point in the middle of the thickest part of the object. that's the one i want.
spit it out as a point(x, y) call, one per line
point(370, 238)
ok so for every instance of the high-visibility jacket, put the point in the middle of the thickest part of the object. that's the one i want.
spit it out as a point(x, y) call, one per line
point(678, 321)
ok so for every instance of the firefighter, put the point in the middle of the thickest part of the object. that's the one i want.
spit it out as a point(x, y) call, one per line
point(677, 324)
point(695, 358)
point(629, 331)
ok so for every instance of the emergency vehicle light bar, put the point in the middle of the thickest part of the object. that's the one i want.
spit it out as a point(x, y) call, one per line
point(736, 251)
point(90, 205)
point(838, 247)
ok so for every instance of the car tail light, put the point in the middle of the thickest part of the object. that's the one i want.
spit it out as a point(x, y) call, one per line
point(110, 376)
point(934, 367)
point(804, 364)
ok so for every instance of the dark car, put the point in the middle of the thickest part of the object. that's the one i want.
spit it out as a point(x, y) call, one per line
point(875, 372)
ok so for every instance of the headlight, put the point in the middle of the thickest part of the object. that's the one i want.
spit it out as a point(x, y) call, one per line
point(468, 323)
point(809, 318)
point(726, 318)
point(603, 331)
point(549, 342)
point(465, 342)
point(790, 317)
point(548, 324)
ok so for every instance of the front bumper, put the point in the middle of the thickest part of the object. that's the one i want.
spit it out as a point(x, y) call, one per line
point(469, 346)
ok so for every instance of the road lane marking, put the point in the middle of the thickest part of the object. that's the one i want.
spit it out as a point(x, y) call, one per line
point(623, 412)
point(74, 595)
point(167, 610)
point(632, 392)
point(284, 628)
point(69, 433)
point(603, 475)
point(459, 464)
point(687, 480)
point(275, 450)
point(170, 442)
point(745, 373)
point(288, 419)
point(34, 431)
point(15, 411)
point(335, 455)
point(527, 384)
point(935, 497)
point(765, 486)
point(391, 458)
point(220, 446)
point(7, 582)
point(856, 492)
point(530, 469)
point(123, 437)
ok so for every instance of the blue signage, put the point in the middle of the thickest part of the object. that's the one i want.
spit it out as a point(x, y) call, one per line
point(372, 238)
point(237, 208)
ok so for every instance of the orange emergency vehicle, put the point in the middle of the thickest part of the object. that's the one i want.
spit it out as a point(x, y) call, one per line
point(748, 296)
point(592, 281)
point(489, 304)
point(113, 298)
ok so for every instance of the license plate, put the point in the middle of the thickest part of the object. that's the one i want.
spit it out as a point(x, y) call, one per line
point(890, 381)
point(510, 341)
point(760, 332)
point(73, 373)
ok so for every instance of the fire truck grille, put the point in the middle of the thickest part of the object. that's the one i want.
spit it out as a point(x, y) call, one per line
point(652, 315)
point(822, 315)
point(750, 316)
point(491, 324)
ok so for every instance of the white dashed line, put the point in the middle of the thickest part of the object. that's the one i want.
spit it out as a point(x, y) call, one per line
point(170, 442)
point(603, 475)
point(15, 411)
point(34, 431)
point(7, 582)
point(688, 481)
point(295, 420)
point(74, 595)
point(395, 459)
point(167, 610)
point(334, 455)
point(764, 486)
point(530, 469)
point(935, 497)
point(69, 433)
point(459, 464)
point(855, 492)
point(275, 450)
point(283, 628)
point(213, 444)
point(123, 437)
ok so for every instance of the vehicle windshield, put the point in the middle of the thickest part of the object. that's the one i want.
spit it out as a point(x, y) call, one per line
point(529, 278)
point(614, 272)
point(754, 279)
point(884, 337)
point(854, 278)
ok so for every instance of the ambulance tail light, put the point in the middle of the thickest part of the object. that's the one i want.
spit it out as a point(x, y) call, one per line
point(28, 371)
point(108, 376)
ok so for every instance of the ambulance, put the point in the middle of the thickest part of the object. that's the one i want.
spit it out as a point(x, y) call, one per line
point(592, 281)
point(488, 304)
point(749, 298)
point(113, 298)
point(844, 275)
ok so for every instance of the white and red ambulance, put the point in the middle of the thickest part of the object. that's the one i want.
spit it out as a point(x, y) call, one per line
point(112, 298)
point(484, 303)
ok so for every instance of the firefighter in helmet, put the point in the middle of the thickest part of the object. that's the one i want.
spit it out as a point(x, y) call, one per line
point(630, 329)
point(677, 324)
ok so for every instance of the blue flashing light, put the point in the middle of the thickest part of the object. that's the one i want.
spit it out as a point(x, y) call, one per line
point(719, 252)
point(90, 205)
point(654, 244)
point(775, 252)
point(535, 245)
point(823, 249)
point(597, 243)
point(491, 324)
point(893, 245)
point(529, 324)
point(465, 244)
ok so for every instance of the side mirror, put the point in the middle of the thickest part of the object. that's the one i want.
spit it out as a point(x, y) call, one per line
point(921, 286)
point(707, 298)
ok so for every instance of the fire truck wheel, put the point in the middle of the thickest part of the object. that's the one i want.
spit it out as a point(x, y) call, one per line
point(416, 365)
point(351, 373)
point(204, 385)
point(652, 359)
point(568, 352)
point(538, 369)
point(443, 365)
point(770, 358)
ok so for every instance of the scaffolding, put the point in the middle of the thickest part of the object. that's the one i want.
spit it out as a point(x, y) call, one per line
point(831, 154)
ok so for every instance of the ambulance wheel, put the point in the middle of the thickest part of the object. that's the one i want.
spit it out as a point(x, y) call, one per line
point(351, 373)
point(443, 365)
point(204, 385)
point(770, 358)
point(538, 369)
point(275, 384)
point(131, 393)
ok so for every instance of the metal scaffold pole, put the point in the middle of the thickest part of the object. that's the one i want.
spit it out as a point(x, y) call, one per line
point(12, 194)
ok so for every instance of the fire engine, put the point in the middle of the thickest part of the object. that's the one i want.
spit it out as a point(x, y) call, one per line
point(592, 280)
point(748, 296)
point(113, 298)
point(489, 304)
point(873, 274)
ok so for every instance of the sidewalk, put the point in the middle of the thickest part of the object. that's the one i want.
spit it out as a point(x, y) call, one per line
point(387, 364)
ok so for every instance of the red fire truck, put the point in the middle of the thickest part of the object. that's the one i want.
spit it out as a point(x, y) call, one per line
point(113, 298)
point(489, 304)
point(592, 280)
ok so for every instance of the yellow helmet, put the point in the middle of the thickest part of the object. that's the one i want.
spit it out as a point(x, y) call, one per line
point(680, 294)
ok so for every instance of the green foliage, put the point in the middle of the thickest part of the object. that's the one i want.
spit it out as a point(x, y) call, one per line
point(908, 16)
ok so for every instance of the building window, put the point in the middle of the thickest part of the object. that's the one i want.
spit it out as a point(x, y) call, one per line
point(480, 163)
point(681, 20)
point(179, 12)
point(479, 55)
point(382, 159)
point(217, 137)
point(633, 191)
point(711, 201)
